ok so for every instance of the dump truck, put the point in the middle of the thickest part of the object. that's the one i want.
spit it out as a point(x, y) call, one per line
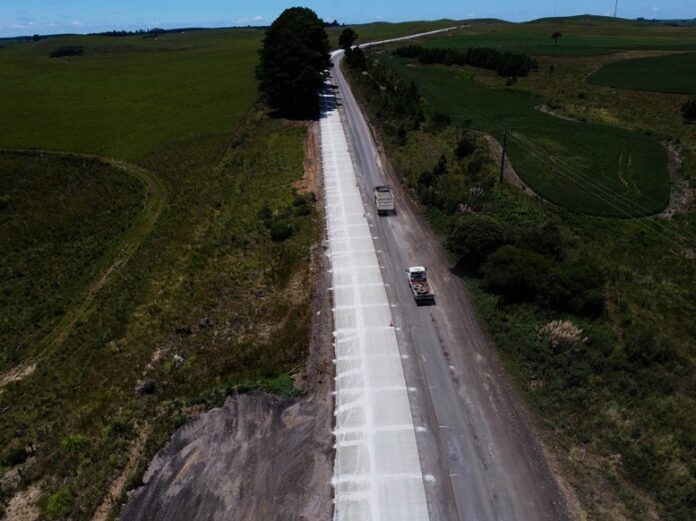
point(418, 282)
point(384, 200)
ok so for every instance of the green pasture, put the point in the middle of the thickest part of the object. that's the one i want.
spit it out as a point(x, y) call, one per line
point(674, 74)
point(54, 231)
point(589, 168)
point(126, 95)
point(577, 39)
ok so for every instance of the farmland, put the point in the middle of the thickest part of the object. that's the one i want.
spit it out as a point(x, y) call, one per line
point(604, 170)
point(125, 96)
point(675, 74)
point(581, 36)
point(614, 406)
point(168, 203)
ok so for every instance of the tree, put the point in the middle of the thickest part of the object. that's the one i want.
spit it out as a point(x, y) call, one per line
point(347, 38)
point(294, 55)
point(474, 238)
point(689, 111)
point(555, 37)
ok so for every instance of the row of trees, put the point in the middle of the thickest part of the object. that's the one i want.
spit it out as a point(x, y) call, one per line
point(504, 63)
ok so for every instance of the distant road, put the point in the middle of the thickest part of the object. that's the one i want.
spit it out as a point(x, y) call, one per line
point(479, 456)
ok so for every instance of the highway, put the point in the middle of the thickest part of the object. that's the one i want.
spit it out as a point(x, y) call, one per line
point(479, 458)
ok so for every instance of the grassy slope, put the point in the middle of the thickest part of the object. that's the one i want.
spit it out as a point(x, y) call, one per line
point(672, 74)
point(383, 30)
point(54, 234)
point(580, 37)
point(606, 170)
point(126, 95)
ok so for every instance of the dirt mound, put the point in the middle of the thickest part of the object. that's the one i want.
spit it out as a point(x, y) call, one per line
point(257, 457)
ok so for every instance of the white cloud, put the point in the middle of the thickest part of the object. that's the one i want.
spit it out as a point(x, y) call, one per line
point(257, 18)
point(77, 23)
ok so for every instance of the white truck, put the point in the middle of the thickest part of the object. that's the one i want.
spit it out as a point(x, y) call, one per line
point(418, 282)
point(384, 200)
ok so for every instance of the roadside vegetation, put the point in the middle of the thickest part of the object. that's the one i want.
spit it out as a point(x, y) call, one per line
point(591, 316)
point(212, 299)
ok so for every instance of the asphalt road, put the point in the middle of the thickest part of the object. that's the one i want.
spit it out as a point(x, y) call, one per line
point(479, 457)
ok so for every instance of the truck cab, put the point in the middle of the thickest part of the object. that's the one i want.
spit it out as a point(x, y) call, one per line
point(418, 282)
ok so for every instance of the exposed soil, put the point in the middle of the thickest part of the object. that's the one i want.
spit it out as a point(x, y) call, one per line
point(509, 173)
point(682, 196)
point(23, 505)
point(257, 456)
point(548, 110)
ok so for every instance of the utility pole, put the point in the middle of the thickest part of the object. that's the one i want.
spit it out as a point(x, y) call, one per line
point(616, 8)
point(502, 159)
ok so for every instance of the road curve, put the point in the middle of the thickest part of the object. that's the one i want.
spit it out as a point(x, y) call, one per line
point(474, 439)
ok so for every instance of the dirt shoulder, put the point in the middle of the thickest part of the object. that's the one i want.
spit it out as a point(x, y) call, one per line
point(257, 456)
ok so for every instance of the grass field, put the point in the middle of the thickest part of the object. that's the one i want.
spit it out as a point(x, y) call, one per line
point(56, 234)
point(125, 96)
point(595, 169)
point(582, 36)
point(383, 30)
point(674, 74)
point(122, 268)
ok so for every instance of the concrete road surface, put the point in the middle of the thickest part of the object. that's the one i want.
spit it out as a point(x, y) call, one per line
point(479, 459)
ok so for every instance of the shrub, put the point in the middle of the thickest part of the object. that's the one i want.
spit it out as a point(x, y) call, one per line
point(4, 201)
point(282, 231)
point(465, 147)
point(74, 443)
point(60, 502)
point(575, 288)
point(68, 50)
point(515, 274)
point(688, 111)
point(562, 334)
point(14, 456)
point(474, 238)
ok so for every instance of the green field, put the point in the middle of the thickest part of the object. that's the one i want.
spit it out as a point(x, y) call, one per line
point(125, 96)
point(674, 74)
point(383, 30)
point(110, 262)
point(580, 38)
point(589, 168)
point(57, 234)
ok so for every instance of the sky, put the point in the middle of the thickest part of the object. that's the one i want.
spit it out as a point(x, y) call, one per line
point(25, 17)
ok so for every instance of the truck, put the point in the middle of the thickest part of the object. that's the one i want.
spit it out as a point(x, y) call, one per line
point(418, 282)
point(384, 200)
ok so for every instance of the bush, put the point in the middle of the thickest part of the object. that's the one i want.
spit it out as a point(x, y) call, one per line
point(465, 147)
point(515, 274)
point(474, 238)
point(15, 456)
point(574, 288)
point(282, 231)
point(688, 111)
point(69, 50)
point(60, 502)
point(5, 201)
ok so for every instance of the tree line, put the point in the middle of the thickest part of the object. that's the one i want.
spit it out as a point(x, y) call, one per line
point(504, 63)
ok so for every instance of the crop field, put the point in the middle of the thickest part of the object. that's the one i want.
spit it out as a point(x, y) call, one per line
point(55, 231)
point(675, 74)
point(578, 38)
point(126, 95)
point(600, 170)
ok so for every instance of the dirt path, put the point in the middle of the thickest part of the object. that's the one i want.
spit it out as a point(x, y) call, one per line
point(155, 197)
point(509, 172)
point(257, 456)
point(681, 195)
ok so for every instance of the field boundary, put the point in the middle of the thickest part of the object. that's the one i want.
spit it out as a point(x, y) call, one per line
point(154, 201)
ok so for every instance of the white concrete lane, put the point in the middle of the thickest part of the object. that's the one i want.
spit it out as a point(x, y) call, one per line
point(377, 472)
